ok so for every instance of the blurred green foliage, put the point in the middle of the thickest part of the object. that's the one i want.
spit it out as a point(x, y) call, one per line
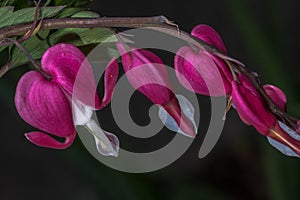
point(264, 45)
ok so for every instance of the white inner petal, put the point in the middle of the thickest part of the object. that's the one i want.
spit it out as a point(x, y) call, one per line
point(81, 113)
point(282, 147)
point(232, 105)
point(186, 107)
point(289, 131)
point(107, 144)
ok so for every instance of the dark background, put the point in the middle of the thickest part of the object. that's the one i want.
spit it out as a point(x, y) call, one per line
point(261, 33)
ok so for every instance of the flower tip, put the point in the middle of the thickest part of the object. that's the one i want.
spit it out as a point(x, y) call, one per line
point(187, 128)
point(178, 116)
point(44, 140)
point(287, 140)
point(110, 148)
point(113, 154)
point(107, 144)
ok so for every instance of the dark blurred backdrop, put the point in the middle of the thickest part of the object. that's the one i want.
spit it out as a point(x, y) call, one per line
point(261, 33)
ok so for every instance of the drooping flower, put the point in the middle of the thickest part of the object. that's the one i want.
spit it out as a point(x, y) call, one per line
point(253, 110)
point(200, 71)
point(250, 106)
point(55, 107)
point(282, 131)
point(146, 72)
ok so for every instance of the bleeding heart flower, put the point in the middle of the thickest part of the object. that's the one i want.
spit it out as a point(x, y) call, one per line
point(202, 72)
point(253, 111)
point(147, 73)
point(48, 104)
point(250, 106)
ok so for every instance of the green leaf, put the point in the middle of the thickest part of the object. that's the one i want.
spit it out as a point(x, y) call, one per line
point(74, 3)
point(114, 53)
point(82, 3)
point(3, 47)
point(43, 33)
point(34, 46)
point(63, 2)
point(69, 35)
point(97, 35)
point(5, 12)
point(47, 3)
point(6, 2)
point(67, 12)
point(82, 36)
point(86, 14)
point(27, 15)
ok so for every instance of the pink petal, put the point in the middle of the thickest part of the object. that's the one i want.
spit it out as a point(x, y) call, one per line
point(199, 73)
point(225, 72)
point(67, 64)
point(44, 140)
point(209, 35)
point(43, 104)
point(250, 107)
point(173, 108)
point(276, 95)
point(187, 109)
point(110, 79)
point(146, 72)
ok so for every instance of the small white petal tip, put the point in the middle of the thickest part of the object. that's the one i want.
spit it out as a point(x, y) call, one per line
point(187, 109)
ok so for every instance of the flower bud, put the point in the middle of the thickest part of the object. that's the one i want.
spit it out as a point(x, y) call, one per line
point(147, 73)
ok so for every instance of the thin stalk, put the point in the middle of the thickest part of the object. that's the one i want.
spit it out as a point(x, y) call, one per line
point(158, 23)
point(27, 54)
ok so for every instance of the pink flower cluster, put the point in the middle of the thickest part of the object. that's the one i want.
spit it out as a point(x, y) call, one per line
point(202, 72)
point(55, 108)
